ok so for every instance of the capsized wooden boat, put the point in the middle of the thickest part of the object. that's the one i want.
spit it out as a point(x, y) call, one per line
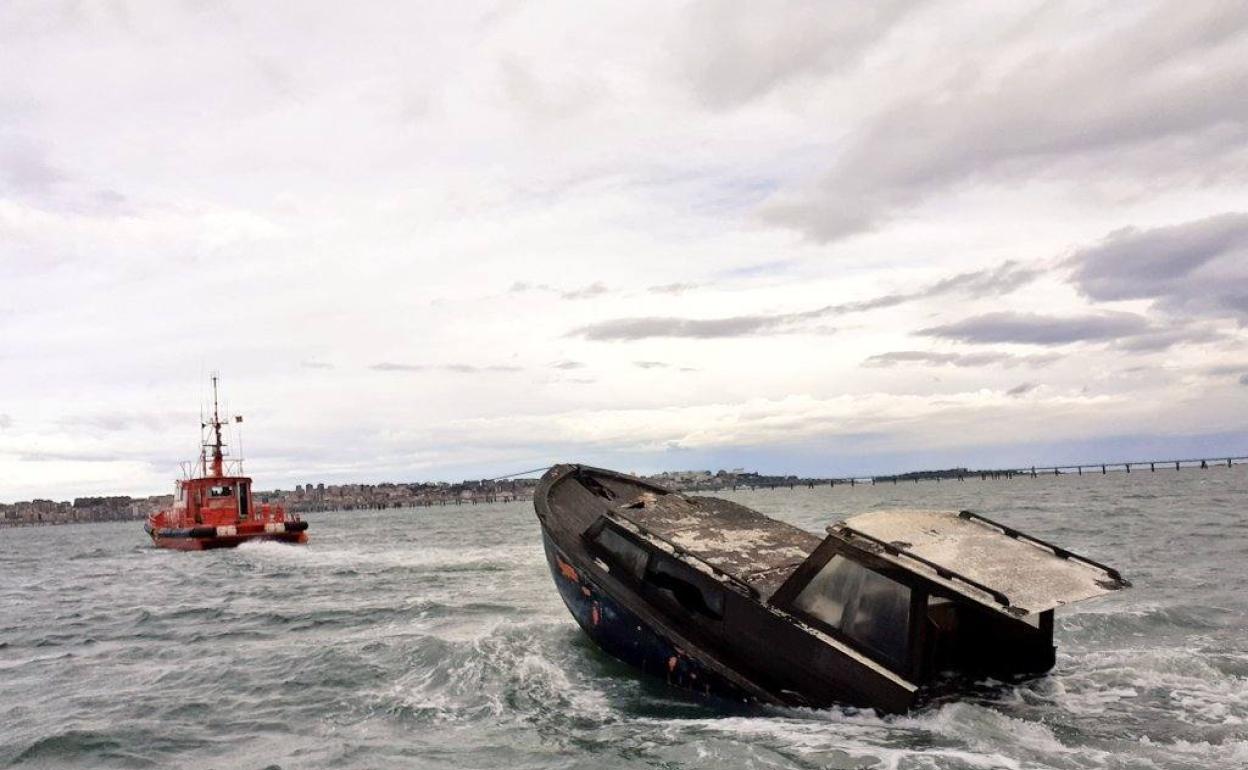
point(887, 609)
point(215, 509)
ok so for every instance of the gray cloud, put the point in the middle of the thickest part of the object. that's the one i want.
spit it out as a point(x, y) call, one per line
point(1156, 100)
point(387, 366)
point(1164, 339)
point(1021, 389)
point(25, 168)
point(75, 457)
point(1237, 372)
point(995, 281)
point(734, 53)
point(566, 365)
point(700, 328)
point(651, 365)
point(315, 365)
point(963, 360)
point(1036, 329)
point(114, 422)
point(6, 422)
point(1001, 279)
point(1194, 268)
point(586, 292)
point(673, 288)
point(595, 289)
point(470, 369)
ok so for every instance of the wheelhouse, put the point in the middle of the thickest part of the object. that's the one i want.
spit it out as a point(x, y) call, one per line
point(217, 500)
point(901, 601)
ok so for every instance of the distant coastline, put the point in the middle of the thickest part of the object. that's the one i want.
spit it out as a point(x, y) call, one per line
point(308, 498)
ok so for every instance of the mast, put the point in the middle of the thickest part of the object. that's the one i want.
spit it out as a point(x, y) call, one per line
point(216, 431)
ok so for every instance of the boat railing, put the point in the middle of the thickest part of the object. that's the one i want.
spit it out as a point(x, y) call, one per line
point(274, 511)
point(728, 577)
point(1057, 550)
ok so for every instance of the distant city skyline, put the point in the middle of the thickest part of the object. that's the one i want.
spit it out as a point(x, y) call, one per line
point(444, 242)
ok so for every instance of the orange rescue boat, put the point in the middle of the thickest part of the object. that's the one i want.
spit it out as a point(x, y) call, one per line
point(215, 509)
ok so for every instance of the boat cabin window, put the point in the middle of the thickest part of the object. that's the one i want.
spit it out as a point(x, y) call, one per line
point(674, 582)
point(865, 606)
point(685, 586)
point(621, 552)
point(221, 491)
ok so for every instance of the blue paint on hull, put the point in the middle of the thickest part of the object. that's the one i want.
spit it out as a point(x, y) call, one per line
point(624, 635)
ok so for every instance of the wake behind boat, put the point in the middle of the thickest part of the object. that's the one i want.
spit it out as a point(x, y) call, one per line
point(216, 510)
point(889, 608)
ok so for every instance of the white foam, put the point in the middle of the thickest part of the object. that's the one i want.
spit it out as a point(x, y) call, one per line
point(415, 557)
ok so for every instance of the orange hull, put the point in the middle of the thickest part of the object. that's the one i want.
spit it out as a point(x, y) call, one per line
point(202, 538)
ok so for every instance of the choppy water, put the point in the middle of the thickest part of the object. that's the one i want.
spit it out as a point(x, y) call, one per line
point(434, 638)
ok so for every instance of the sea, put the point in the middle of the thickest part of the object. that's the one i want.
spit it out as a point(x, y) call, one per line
point(434, 638)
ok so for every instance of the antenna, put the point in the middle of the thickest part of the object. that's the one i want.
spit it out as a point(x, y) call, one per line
point(217, 461)
point(238, 438)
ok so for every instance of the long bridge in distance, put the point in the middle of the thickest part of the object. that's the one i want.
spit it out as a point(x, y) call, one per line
point(1033, 471)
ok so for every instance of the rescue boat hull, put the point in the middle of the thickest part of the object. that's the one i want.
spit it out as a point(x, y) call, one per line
point(208, 538)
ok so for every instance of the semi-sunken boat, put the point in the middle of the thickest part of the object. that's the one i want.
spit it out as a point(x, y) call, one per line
point(215, 508)
point(888, 610)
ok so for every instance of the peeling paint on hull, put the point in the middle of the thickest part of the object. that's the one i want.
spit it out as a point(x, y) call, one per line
point(623, 635)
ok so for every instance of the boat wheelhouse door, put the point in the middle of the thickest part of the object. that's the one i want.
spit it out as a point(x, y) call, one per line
point(244, 500)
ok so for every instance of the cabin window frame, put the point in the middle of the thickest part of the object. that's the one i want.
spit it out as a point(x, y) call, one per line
point(593, 541)
point(714, 598)
point(785, 598)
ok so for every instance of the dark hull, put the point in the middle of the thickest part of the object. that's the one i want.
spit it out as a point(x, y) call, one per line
point(623, 635)
point(751, 652)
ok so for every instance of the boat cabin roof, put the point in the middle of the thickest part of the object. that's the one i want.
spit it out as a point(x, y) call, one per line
point(736, 540)
point(978, 558)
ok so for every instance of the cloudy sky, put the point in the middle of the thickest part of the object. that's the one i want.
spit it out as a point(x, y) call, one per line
point(447, 240)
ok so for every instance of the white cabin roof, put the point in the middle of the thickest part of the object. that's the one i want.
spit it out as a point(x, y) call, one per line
point(1033, 575)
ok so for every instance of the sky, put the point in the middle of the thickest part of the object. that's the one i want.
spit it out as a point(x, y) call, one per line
point(426, 241)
